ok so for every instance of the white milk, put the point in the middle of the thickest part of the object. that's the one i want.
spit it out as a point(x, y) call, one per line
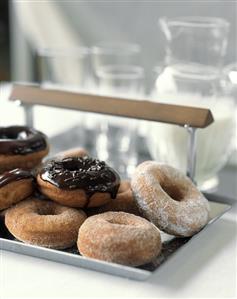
point(168, 143)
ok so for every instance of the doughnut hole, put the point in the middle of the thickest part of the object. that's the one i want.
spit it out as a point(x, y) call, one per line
point(119, 222)
point(49, 211)
point(121, 219)
point(173, 191)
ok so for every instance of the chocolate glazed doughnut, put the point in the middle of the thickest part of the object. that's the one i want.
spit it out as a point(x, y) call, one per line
point(21, 147)
point(15, 185)
point(78, 182)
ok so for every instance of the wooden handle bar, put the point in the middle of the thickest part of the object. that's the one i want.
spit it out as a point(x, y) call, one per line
point(139, 109)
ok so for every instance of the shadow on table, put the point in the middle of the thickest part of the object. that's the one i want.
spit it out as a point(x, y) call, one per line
point(177, 271)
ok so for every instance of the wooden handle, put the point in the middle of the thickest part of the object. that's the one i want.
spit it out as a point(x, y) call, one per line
point(139, 109)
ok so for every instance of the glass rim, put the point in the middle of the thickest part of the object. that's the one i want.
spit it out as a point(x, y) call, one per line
point(192, 72)
point(196, 21)
point(63, 51)
point(129, 72)
point(114, 47)
point(230, 67)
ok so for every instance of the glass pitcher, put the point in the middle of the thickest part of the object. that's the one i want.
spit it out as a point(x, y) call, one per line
point(192, 76)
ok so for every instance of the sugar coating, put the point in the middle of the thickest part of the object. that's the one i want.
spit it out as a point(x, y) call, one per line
point(120, 238)
point(183, 216)
point(44, 223)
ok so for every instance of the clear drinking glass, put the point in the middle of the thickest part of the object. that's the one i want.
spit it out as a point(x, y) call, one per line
point(193, 76)
point(117, 72)
point(117, 136)
point(122, 80)
point(67, 69)
point(115, 53)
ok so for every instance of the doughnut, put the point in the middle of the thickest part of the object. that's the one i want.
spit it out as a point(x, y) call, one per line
point(21, 147)
point(123, 202)
point(78, 182)
point(44, 223)
point(119, 237)
point(169, 199)
point(15, 185)
point(73, 152)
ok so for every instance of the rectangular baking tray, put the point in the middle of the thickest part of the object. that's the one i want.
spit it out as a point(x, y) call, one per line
point(171, 245)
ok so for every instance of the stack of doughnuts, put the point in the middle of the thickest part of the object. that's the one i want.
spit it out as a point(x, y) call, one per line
point(21, 150)
point(85, 203)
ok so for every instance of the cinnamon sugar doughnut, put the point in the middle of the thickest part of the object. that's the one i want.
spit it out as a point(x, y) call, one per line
point(15, 185)
point(44, 223)
point(119, 237)
point(21, 147)
point(124, 202)
point(169, 199)
point(78, 182)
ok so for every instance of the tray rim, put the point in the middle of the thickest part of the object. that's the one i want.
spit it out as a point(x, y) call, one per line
point(102, 266)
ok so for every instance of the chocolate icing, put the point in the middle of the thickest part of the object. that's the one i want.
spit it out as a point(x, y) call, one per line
point(14, 175)
point(21, 140)
point(85, 173)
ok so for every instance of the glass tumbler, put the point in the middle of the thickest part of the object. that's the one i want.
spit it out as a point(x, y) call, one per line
point(67, 69)
point(117, 136)
point(115, 53)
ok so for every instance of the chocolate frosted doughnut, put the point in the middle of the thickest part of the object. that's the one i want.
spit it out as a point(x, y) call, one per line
point(15, 185)
point(78, 181)
point(21, 147)
point(21, 140)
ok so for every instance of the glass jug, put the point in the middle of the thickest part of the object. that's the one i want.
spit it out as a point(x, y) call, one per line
point(192, 76)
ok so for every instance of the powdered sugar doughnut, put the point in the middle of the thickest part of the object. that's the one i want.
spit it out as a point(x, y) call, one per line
point(119, 237)
point(169, 199)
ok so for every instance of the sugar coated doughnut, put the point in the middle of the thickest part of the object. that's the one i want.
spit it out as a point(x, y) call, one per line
point(78, 182)
point(44, 223)
point(124, 202)
point(119, 237)
point(73, 152)
point(21, 147)
point(169, 199)
point(15, 185)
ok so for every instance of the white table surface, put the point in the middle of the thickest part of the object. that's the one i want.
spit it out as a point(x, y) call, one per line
point(205, 268)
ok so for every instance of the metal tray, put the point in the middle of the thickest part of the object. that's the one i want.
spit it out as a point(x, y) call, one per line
point(71, 256)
